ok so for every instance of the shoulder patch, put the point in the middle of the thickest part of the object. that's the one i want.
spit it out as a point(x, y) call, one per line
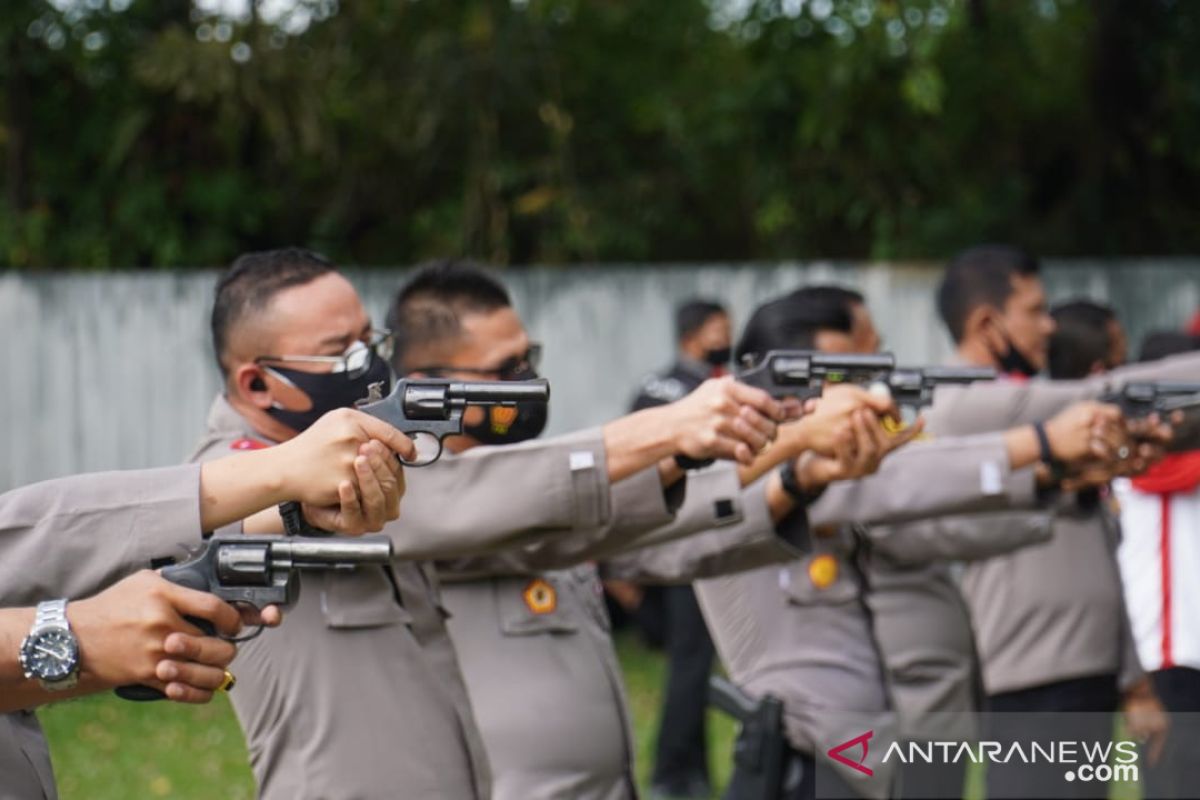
point(246, 443)
point(666, 389)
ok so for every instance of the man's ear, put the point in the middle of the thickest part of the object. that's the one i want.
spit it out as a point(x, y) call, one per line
point(250, 384)
point(983, 325)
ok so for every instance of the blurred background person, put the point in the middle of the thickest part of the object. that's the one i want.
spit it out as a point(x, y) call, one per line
point(1088, 340)
point(704, 341)
point(1159, 557)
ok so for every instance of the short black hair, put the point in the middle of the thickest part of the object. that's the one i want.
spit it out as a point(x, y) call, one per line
point(691, 316)
point(830, 293)
point(792, 323)
point(252, 280)
point(1160, 344)
point(1081, 338)
point(980, 275)
point(430, 305)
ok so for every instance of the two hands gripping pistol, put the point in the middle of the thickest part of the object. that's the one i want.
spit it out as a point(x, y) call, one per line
point(1177, 404)
point(260, 571)
point(264, 570)
point(803, 374)
point(430, 409)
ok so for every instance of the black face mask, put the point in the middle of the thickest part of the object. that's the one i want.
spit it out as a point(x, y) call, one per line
point(509, 424)
point(718, 358)
point(329, 391)
point(1014, 361)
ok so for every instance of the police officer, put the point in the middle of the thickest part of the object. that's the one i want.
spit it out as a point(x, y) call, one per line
point(362, 692)
point(704, 339)
point(992, 301)
point(71, 537)
point(801, 632)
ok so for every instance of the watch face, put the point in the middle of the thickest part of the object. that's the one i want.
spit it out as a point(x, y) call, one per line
point(50, 655)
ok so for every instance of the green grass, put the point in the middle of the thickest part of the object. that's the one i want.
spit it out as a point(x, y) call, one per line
point(108, 748)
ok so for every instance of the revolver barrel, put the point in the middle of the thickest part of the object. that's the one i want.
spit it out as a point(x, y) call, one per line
point(320, 552)
point(500, 392)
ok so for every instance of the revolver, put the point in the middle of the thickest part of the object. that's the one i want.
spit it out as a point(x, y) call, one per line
point(430, 409)
point(912, 387)
point(1140, 399)
point(262, 570)
point(803, 373)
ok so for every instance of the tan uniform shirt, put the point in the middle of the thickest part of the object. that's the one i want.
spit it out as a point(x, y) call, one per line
point(359, 694)
point(71, 538)
point(536, 650)
point(798, 629)
point(925, 625)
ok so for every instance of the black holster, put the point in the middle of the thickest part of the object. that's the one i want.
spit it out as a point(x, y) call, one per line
point(764, 765)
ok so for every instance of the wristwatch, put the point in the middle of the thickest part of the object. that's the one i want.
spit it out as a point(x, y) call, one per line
point(50, 653)
point(790, 482)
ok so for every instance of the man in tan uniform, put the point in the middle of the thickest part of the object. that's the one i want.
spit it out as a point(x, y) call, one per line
point(816, 651)
point(926, 634)
point(361, 696)
point(534, 645)
point(72, 537)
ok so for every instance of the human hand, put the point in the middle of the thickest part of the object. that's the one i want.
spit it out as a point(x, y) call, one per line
point(134, 632)
point(1145, 719)
point(723, 418)
point(326, 463)
point(870, 443)
point(376, 501)
point(828, 428)
point(1086, 430)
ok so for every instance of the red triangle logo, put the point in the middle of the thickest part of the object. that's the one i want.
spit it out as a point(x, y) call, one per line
point(836, 752)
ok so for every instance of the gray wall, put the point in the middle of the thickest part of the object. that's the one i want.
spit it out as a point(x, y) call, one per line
point(114, 371)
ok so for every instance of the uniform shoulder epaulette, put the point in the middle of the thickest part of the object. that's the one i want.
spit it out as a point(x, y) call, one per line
point(246, 443)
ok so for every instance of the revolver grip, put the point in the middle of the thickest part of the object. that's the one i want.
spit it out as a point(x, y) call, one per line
point(190, 575)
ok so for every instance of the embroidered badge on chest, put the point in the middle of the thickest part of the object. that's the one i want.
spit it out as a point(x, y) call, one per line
point(540, 597)
point(823, 570)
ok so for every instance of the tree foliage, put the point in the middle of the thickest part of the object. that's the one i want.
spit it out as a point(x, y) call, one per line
point(158, 133)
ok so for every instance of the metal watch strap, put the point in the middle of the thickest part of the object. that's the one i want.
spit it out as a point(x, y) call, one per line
point(294, 523)
point(51, 614)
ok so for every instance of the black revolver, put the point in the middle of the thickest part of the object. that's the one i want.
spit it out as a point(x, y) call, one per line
point(1140, 399)
point(430, 409)
point(803, 373)
point(912, 387)
point(260, 571)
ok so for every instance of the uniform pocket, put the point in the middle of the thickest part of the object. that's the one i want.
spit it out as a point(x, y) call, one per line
point(534, 605)
point(819, 579)
point(364, 598)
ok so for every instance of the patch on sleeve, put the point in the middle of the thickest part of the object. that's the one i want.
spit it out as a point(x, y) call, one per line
point(246, 443)
point(582, 459)
point(991, 480)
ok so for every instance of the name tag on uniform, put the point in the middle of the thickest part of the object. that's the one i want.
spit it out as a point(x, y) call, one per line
point(582, 459)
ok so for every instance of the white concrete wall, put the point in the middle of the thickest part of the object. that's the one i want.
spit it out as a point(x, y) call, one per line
point(110, 371)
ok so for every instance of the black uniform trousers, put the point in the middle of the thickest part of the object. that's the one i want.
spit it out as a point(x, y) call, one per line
point(1091, 701)
point(681, 753)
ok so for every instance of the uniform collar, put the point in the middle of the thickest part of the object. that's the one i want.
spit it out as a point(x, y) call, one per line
point(224, 420)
